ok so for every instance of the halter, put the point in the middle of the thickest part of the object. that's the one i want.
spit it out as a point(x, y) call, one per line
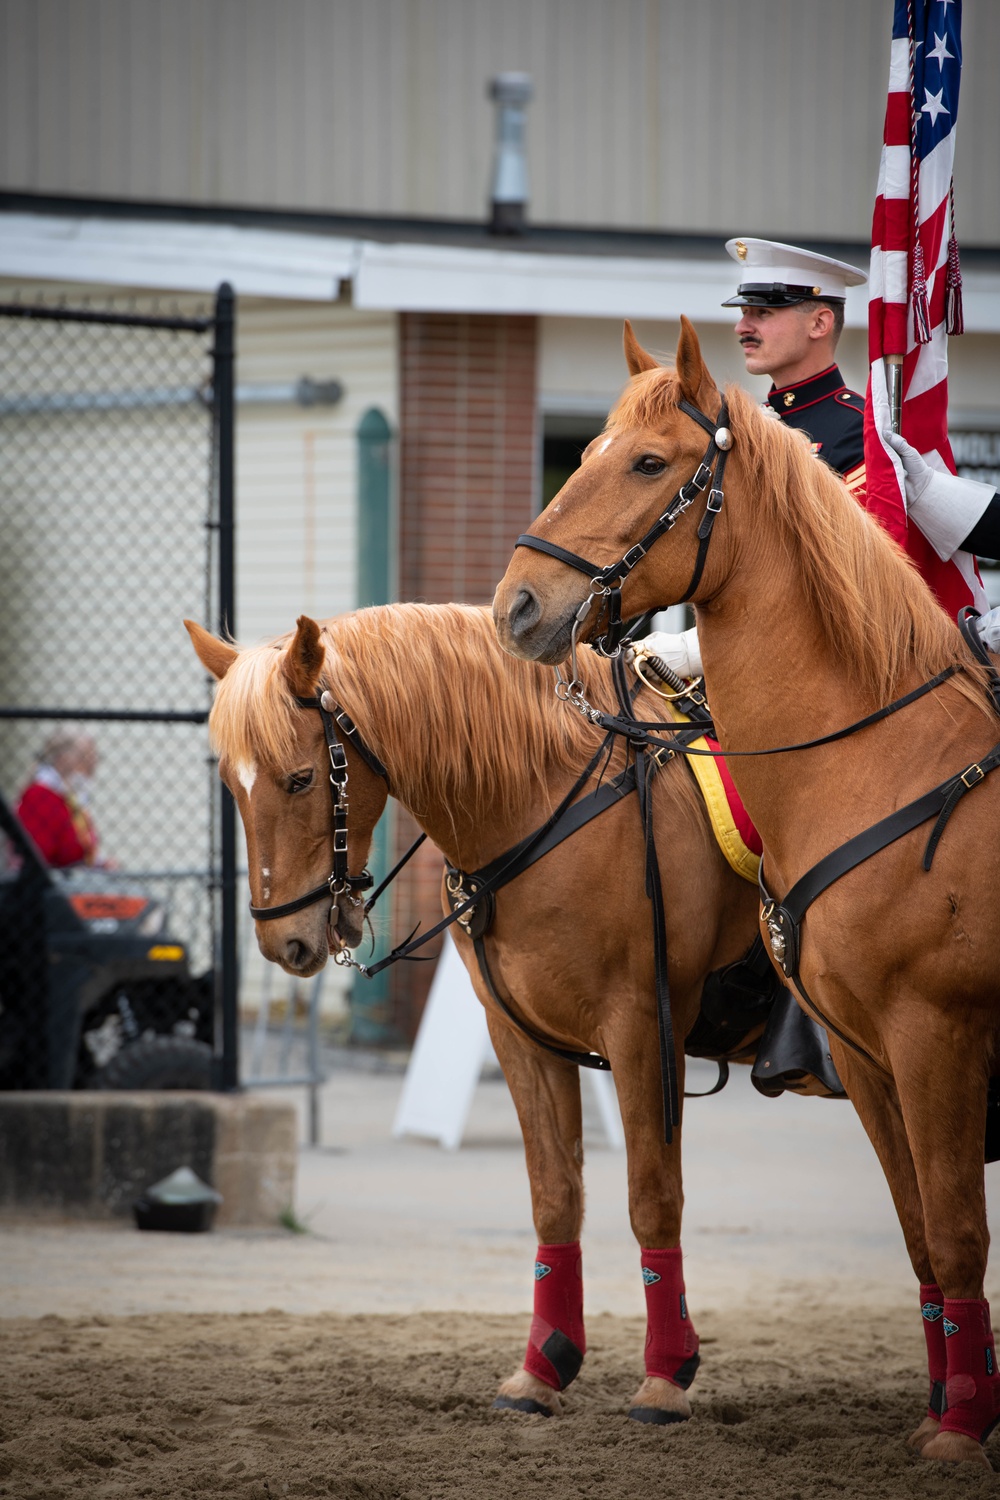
point(606, 583)
point(340, 882)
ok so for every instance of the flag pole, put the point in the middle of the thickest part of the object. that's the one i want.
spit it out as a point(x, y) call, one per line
point(894, 383)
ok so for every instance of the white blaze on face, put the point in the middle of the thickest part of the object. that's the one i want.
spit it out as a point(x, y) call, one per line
point(606, 444)
point(246, 775)
point(265, 872)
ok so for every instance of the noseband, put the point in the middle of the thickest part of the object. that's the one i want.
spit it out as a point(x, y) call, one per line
point(606, 583)
point(340, 882)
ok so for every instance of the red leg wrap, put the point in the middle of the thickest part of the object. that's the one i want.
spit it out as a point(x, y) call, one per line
point(671, 1342)
point(556, 1343)
point(972, 1386)
point(932, 1312)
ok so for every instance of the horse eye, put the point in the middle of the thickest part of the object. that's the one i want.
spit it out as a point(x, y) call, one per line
point(650, 464)
point(299, 781)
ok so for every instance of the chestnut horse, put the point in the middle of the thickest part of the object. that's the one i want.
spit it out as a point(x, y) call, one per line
point(475, 746)
point(809, 617)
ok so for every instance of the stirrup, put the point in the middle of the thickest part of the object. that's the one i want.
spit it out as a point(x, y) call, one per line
point(794, 1054)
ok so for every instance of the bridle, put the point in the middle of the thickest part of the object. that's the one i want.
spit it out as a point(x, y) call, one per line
point(340, 884)
point(606, 583)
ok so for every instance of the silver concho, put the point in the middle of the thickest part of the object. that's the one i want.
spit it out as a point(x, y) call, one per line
point(723, 439)
point(778, 945)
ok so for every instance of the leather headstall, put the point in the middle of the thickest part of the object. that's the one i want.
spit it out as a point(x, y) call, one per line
point(340, 882)
point(606, 583)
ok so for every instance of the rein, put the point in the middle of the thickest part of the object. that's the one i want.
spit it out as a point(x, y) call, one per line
point(637, 730)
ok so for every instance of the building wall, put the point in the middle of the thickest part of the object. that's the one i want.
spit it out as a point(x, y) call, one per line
point(762, 118)
point(467, 451)
point(468, 482)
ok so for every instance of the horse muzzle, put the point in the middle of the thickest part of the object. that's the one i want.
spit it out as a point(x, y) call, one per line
point(529, 628)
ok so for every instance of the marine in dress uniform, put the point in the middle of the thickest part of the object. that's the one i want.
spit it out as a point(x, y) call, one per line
point(777, 276)
point(779, 287)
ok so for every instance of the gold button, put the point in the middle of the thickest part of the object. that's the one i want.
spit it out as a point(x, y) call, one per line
point(789, 398)
point(816, 291)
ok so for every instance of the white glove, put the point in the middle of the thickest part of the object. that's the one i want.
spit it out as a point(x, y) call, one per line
point(945, 507)
point(680, 652)
point(988, 626)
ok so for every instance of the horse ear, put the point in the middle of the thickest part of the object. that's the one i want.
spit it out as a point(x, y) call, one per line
point(304, 658)
point(215, 655)
point(697, 385)
point(635, 355)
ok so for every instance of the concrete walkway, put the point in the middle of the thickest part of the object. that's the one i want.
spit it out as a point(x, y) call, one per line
point(784, 1199)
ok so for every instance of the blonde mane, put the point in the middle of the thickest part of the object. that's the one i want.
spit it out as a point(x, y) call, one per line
point(876, 611)
point(454, 719)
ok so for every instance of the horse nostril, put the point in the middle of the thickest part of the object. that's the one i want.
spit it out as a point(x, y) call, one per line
point(296, 954)
point(525, 612)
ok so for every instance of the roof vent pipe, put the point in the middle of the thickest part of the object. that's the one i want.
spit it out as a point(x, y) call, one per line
point(509, 194)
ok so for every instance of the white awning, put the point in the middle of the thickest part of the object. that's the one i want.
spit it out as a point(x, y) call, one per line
point(175, 256)
point(404, 277)
point(437, 278)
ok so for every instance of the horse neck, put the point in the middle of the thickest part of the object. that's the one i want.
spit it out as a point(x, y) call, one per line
point(773, 678)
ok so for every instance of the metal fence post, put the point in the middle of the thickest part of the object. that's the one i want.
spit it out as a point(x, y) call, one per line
point(375, 576)
point(223, 386)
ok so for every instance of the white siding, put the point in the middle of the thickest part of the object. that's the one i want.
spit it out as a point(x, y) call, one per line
point(718, 116)
point(297, 466)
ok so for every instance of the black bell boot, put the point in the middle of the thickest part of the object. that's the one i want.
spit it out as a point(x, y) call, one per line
point(794, 1055)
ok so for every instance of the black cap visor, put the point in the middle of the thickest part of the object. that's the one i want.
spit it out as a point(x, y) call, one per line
point(775, 294)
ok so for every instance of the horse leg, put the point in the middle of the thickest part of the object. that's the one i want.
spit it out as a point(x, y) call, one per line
point(656, 1201)
point(877, 1104)
point(941, 1078)
point(546, 1094)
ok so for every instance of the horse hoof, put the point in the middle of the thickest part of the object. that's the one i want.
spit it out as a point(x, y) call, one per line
point(522, 1403)
point(659, 1403)
point(655, 1416)
point(929, 1428)
point(955, 1448)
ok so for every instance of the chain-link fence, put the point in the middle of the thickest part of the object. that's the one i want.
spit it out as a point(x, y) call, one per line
point(116, 508)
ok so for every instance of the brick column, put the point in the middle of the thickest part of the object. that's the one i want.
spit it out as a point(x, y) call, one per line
point(468, 478)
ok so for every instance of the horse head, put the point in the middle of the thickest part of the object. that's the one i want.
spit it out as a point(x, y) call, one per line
point(627, 477)
point(274, 758)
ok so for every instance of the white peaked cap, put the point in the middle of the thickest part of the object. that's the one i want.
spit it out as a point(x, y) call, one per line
point(776, 275)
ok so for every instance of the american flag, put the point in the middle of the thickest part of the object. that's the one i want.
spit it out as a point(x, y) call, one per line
point(915, 281)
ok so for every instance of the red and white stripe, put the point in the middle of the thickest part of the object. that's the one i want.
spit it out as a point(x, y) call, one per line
point(891, 331)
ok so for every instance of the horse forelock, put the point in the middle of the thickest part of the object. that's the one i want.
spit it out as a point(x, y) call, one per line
point(252, 723)
point(875, 609)
point(648, 398)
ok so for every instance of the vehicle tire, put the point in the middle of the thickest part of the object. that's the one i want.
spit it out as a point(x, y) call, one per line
point(157, 1062)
